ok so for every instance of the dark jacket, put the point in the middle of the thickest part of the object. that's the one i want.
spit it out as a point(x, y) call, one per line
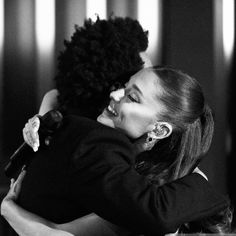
point(88, 167)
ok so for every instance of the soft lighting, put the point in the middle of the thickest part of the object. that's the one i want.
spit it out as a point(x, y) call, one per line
point(1, 57)
point(45, 24)
point(25, 26)
point(1, 25)
point(149, 17)
point(96, 7)
point(228, 28)
point(75, 14)
point(45, 39)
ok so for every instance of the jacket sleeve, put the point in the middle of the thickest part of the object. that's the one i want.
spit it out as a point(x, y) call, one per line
point(116, 192)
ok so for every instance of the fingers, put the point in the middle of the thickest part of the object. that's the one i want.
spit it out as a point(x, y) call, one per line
point(30, 132)
point(12, 183)
point(17, 184)
point(20, 178)
point(15, 187)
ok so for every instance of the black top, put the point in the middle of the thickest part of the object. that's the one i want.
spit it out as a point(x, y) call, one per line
point(88, 167)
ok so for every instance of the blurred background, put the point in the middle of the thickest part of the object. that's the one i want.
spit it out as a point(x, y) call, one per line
point(195, 36)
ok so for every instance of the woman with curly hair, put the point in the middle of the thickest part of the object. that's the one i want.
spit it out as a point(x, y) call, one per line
point(168, 124)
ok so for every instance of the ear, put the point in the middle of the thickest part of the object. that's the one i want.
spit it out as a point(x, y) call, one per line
point(161, 130)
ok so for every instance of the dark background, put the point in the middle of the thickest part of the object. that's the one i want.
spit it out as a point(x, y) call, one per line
point(191, 39)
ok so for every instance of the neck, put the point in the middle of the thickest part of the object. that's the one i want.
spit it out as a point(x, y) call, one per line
point(139, 144)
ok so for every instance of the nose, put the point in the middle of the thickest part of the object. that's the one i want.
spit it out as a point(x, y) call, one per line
point(117, 95)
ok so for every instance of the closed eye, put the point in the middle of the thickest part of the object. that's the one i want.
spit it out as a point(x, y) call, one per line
point(132, 98)
point(131, 95)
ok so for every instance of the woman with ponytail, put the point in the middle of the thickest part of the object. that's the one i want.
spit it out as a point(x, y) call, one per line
point(192, 123)
point(135, 173)
point(180, 153)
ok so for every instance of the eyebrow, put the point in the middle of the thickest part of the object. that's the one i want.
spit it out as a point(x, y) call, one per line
point(137, 88)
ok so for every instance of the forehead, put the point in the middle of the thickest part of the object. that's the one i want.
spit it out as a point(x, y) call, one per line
point(148, 82)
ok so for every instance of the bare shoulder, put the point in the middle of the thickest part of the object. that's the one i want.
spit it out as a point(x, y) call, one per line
point(198, 171)
point(49, 101)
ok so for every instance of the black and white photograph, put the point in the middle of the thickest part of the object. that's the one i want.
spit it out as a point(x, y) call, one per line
point(117, 117)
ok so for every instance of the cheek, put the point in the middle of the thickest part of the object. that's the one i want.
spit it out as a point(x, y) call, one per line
point(136, 121)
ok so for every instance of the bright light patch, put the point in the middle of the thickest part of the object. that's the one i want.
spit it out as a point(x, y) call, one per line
point(1, 56)
point(96, 7)
point(45, 39)
point(228, 28)
point(75, 14)
point(25, 26)
point(149, 17)
point(1, 25)
point(45, 24)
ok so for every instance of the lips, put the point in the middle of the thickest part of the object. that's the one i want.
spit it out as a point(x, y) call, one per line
point(111, 109)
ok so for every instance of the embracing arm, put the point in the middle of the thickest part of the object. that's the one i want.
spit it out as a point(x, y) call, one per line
point(127, 198)
point(92, 225)
point(119, 194)
point(26, 223)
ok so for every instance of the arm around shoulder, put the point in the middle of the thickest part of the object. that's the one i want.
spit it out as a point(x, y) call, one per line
point(132, 201)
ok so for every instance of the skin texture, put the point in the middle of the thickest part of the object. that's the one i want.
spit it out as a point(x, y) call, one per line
point(136, 109)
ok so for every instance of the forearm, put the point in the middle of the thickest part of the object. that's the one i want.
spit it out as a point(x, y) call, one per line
point(92, 225)
point(28, 224)
point(130, 199)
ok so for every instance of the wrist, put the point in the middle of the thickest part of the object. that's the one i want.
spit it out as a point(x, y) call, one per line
point(5, 205)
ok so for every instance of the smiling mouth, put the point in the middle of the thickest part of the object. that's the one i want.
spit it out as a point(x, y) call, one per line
point(111, 111)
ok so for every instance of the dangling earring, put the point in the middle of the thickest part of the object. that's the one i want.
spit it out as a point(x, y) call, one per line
point(152, 137)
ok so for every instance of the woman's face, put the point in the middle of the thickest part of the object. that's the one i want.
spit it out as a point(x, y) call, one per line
point(135, 109)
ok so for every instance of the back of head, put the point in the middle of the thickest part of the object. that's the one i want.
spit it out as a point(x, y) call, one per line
point(99, 54)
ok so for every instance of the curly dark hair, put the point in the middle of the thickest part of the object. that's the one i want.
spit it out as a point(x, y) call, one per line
point(98, 55)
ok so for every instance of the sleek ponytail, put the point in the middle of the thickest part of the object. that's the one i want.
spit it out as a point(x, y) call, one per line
point(207, 123)
point(195, 143)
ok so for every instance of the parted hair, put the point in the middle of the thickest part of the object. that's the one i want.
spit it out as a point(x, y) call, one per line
point(98, 55)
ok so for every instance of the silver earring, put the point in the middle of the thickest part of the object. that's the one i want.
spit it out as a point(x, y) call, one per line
point(150, 141)
point(152, 137)
point(158, 130)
